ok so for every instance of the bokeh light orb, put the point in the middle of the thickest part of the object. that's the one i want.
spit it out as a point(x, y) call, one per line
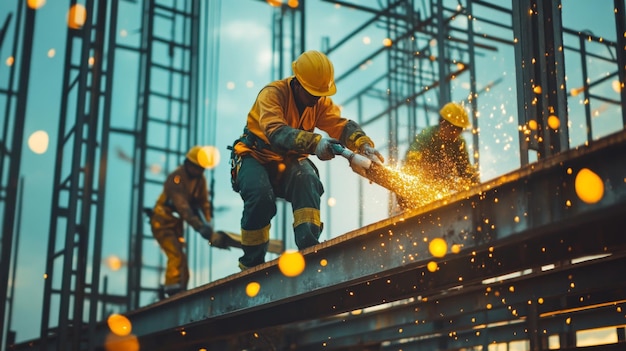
point(332, 202)
point(554, 122)
point(438, 247)
point(114, 342)
point(455, 249)
point(589, 186)
point(38, 142)
point(432, 266)
point(114, 263)
point(252, 289)
point(291, 263)
point(323, 262)
point(76, 16)
point(36, 4)
point(275, 2)
point(209, 157)
point(155, 168)
point(532, 124)
point(119, 324)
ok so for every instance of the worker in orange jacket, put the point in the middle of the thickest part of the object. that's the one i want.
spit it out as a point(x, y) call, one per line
point(184, 198)
point(270, 159)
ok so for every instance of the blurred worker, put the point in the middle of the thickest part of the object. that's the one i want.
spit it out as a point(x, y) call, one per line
point(439, 154)
point(270, 159)
point(184, 198)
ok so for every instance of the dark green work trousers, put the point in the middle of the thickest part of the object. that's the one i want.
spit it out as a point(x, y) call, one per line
point(297, 182)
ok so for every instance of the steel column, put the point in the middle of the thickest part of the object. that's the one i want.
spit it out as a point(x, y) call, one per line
point(14, 154)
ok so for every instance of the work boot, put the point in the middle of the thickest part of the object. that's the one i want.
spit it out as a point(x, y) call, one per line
point(172, 289)
point(252, 255)
point(306, 235)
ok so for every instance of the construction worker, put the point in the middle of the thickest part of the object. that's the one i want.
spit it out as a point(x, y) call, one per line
point(438, 154)
point(184, 198)
point(270, 159)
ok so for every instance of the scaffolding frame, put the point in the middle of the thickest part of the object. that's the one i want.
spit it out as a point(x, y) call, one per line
point(79, 202)
point(179, 126)
point(76, 220)
point(15, 95)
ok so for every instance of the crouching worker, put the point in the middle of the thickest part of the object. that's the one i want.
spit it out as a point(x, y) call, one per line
point(184, 198)
point(270, 159)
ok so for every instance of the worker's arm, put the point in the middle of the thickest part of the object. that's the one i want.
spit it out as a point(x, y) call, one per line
point(176, 190)
point(347, 131)
point(465, 168)
point(203, 200)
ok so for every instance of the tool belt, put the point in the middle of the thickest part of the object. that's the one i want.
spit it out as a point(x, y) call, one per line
point(235, 165)
point(254, 142)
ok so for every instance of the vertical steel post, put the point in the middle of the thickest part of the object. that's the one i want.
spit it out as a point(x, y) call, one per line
point(620, 28)
point(139, 159)
point(442, 63)
point(8, 219)
point(540, 77)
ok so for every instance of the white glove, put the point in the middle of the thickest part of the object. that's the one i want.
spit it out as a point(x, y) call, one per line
point(324, 149)
point(371, 153)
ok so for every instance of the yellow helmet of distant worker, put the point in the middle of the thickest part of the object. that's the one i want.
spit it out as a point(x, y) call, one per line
point(192, 155)
point(315, 73)
point(455, 114)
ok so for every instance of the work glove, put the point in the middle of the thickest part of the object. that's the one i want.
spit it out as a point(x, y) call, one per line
point(358, 169)
point(368, 151)
point(324, 149)
point(206, 231)
point(218, 239)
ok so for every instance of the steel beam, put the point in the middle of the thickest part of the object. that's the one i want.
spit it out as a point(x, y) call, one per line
point(527, 218)
point(523, 220)
point(465, 310)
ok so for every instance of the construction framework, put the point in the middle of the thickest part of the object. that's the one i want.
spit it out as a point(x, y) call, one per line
point(515, 278)
point(13, 96)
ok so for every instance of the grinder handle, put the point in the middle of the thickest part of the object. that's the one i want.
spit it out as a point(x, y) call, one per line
point(353, 158)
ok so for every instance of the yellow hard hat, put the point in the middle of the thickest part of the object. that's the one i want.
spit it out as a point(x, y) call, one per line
point(455, 114)
point(315, 72)
point(192, 155)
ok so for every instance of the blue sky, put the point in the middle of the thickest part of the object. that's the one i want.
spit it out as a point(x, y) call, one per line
point(244, 67)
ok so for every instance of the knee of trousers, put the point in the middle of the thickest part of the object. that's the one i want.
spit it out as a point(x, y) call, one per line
point(258, 209)
point(254, 244)
point(306, 227)
point(306, 184)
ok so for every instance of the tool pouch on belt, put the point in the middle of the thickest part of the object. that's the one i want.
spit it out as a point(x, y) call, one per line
point(235, 164)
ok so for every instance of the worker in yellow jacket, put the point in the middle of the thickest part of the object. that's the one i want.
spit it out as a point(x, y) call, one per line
point(185, 198)
point(439, 155)
point(269, 160)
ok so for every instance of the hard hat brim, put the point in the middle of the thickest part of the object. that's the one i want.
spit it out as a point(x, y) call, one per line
point(332, 89)
point(457, 124)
